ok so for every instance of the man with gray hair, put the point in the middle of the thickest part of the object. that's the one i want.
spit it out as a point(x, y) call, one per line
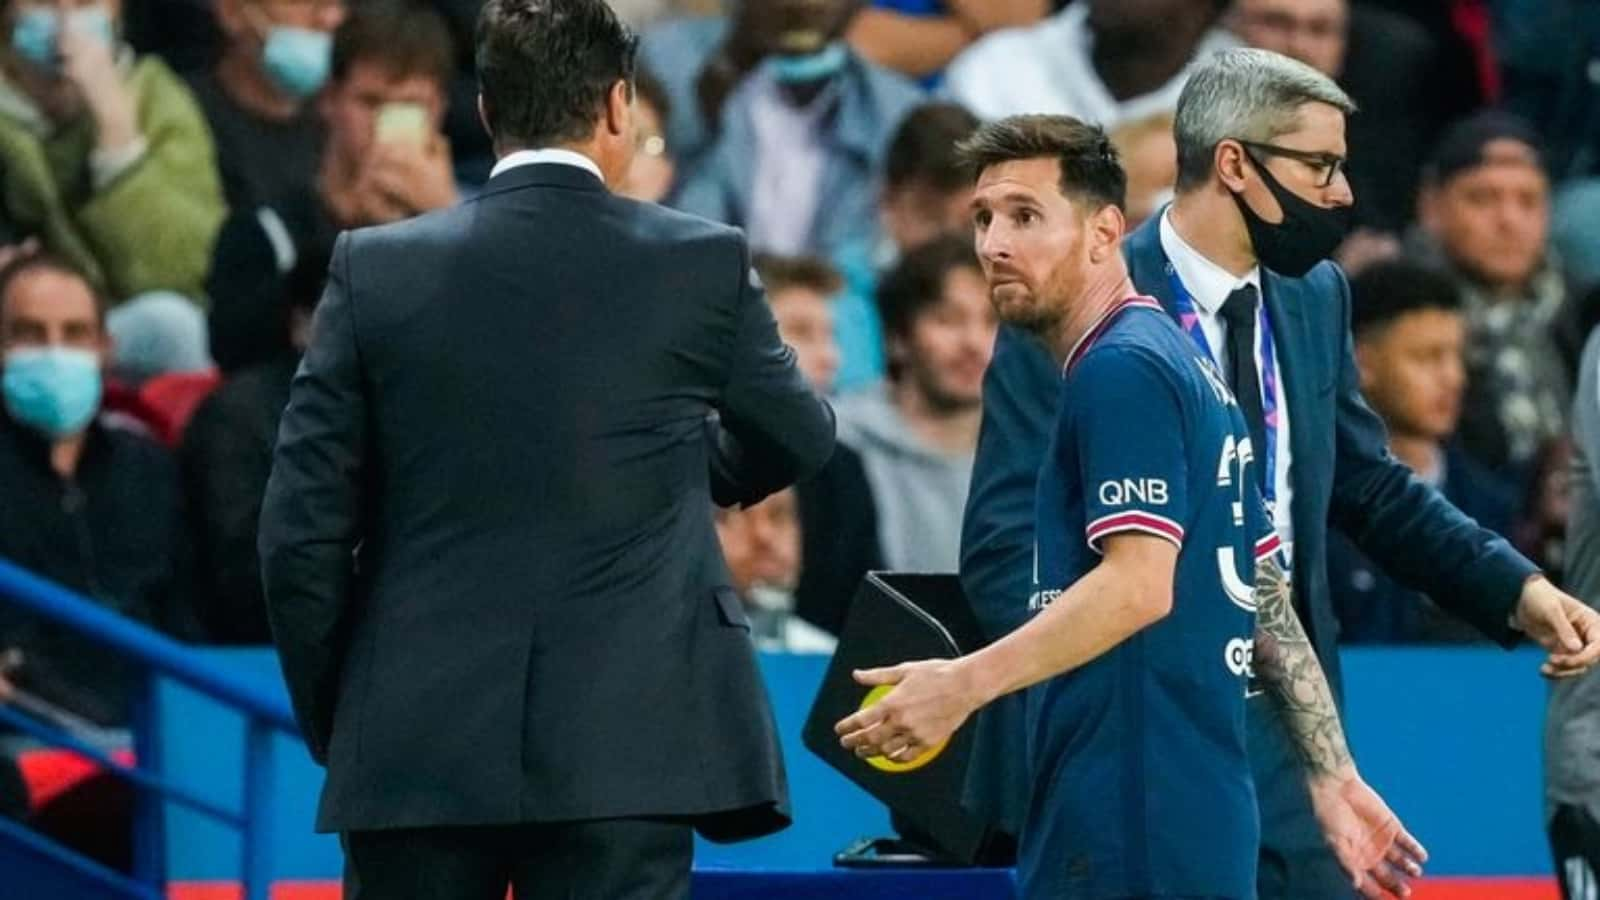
point(1237, 260)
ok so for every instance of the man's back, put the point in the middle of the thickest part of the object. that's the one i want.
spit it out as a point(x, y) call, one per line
point(517, 391)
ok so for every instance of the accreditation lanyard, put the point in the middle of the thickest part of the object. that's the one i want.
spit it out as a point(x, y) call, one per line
point(1189, 318)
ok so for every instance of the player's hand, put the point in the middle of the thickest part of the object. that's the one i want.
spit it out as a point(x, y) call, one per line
point(1562, 624)
point(929, 702)
point(1376, 851)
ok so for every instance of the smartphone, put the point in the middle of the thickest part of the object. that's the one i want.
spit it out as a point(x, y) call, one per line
point(402, 123)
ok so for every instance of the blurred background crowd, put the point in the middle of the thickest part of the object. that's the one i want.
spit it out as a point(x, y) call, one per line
point(173, 173)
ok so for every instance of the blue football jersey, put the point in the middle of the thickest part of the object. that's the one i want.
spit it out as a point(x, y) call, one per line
point(1141, 783)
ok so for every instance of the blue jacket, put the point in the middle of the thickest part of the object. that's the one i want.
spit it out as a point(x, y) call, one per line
point(1342, 472)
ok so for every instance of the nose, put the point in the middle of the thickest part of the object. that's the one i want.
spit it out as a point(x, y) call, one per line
point(1340, 192)
point(993, 244)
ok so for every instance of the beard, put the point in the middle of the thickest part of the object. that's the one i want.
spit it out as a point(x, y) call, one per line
point(1018, 306)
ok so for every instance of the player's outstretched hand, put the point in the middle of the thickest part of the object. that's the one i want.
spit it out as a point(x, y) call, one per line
point(1561, 624)
point(1377, 852)
point(929, 701)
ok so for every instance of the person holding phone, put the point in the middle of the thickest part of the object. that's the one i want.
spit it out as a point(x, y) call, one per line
point(384, 160)
point(105, 158)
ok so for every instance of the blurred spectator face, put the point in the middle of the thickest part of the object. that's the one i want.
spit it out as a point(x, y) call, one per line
point(55, 349)
point(917, 212)
point(1312, 31)
point(36, 28)
point(371, 104)
point(793, 27)
point(1150, 157)
point(1493, 220)
point(651, 172)
point(762, 543)
point(805, 322)
point(1413, 371)
point(947, 346)
point(290, 40)
point(1127, 22)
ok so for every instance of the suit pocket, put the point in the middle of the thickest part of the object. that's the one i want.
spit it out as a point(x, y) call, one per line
point(729, 608)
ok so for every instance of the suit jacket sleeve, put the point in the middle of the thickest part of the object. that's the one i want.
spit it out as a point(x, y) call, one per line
point(1020, 391)
point(773, 429)
point(310, 517)
point(1407, 527)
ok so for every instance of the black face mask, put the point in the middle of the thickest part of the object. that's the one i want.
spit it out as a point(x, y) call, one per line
point(1305, 237)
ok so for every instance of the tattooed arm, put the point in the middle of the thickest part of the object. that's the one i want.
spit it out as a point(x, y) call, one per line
point(1369, 841)
point(1288, 667)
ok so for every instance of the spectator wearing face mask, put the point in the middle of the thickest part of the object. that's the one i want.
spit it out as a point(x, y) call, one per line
point(384, 160)
point(795, 152)
point(105, 159)
point(276, 57)
point(91, 507)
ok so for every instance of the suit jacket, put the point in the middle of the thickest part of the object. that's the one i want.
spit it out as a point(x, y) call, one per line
point(1342, 472)
point(487, 541)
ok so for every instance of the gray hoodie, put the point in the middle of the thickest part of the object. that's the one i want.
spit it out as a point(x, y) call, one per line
point(920, 492)
point(1572, 722)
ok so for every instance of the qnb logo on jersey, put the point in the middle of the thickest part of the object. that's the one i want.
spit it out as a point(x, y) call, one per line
point(1122, 491)
point(1237, 455)
point(1240, 655)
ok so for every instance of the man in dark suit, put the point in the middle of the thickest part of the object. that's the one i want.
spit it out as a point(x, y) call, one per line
point(487, 543)
point(1261, 199)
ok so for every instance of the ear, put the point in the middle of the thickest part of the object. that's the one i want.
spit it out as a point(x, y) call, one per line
point(1106, 227)
point(483, 117)
point(619, 103)
point(1228, 160)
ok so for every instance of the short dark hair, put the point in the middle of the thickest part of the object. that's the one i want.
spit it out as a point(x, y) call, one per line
point(923, 148)
point(28, 263)
point(916, 283)
point(1462, 146)
point(1386, 291)
point(1090, 169)
point(780, 273)
point(545, 67)
point(402, 37)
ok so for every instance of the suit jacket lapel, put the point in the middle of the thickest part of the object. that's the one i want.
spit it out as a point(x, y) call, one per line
point(1285, 300)
point(1147, 264)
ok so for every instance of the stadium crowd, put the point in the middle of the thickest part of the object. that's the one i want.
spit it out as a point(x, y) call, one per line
point(173, 174)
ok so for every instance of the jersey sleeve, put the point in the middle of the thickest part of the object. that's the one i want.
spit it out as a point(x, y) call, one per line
point(1130, 436)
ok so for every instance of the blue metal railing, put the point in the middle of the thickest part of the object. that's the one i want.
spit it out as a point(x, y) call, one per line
point(264, 714)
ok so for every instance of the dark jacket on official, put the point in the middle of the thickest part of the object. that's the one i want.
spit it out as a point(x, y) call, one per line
point(487, 543)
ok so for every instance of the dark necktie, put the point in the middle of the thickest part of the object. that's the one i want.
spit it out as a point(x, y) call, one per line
point(1239, 313)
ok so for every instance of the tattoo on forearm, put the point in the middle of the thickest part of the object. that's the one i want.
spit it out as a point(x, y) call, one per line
point(1288, 667)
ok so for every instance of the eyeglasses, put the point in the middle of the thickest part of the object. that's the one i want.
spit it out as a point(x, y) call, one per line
point(1327, 166)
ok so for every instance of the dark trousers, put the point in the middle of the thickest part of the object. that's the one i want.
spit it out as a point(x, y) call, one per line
point(613, 859)
point(1575, 842)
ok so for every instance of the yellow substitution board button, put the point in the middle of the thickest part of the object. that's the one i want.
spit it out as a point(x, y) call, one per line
point(885, 764)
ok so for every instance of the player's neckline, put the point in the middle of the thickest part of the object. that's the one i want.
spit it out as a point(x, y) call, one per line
point(1101, 324)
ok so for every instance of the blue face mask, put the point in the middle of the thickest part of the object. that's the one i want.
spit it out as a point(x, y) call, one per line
point(37, 32)
point(810, 67)
point(53, 390)
point(297, 59)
